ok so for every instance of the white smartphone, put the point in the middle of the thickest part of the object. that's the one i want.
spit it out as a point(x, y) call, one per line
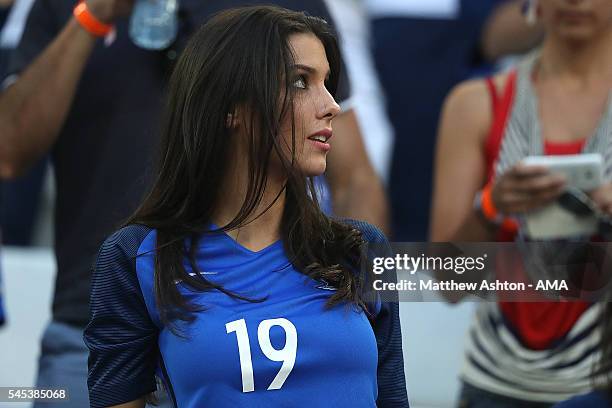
point(584, 171)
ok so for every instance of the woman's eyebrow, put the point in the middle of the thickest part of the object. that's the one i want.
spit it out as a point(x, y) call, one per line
point(310, 70)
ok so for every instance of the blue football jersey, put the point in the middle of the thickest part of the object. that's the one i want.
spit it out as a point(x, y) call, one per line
point(286, 350)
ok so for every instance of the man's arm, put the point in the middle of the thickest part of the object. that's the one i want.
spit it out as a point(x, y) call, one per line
point(34, 108)
point(357, 191)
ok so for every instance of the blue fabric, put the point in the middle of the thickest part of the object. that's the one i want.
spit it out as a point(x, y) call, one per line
point(593, 399)
point(323, 195)
point(341, 360)
point(62, 346)
point(63, 365)
point(473, 397)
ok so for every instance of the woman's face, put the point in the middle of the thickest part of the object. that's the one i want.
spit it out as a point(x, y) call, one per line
point(314, 106)
point(576, 20)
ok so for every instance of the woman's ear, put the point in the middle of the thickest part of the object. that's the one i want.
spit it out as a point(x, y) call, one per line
point(236, 118)
point(231, 122)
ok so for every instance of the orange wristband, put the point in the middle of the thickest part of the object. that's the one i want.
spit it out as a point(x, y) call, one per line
point(89, 22)
point(488, 207)
point(490, 212)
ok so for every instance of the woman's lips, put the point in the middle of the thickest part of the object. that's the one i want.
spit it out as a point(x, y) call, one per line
point(324, 146)
point(319, 139)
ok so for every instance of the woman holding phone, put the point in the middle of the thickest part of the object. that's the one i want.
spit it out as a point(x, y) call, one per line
point(557, 101)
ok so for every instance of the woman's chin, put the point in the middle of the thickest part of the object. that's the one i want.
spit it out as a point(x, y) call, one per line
point(315, 168)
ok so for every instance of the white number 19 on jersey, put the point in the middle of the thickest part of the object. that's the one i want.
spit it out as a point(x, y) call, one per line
point(287, 354)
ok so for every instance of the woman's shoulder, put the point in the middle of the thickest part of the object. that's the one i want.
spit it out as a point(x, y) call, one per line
point(467, 111)
point(126, 242)
point(115, 271)
point(370, 232)
point(475, 94)
point(469, 107)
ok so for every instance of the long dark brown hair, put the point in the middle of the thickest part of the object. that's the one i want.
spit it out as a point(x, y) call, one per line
point(241, 57)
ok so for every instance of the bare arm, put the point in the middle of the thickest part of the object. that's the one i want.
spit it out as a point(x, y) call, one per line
point(34, 108)
point(507, 32)
point(460, 165)
point(460, 171)
point(357, 191)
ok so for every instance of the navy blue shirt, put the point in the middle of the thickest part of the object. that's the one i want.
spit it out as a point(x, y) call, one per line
point(419, 60)
point(593, 399)
point(103, 155)
point(284, 351)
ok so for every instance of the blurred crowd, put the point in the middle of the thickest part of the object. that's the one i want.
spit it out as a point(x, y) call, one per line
point(442, 102)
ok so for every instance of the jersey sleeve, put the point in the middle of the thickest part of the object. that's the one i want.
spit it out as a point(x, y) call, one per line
point(387, 329)
point(391, 377)
point(121, 337)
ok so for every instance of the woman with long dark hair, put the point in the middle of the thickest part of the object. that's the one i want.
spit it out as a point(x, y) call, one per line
point(228, 281)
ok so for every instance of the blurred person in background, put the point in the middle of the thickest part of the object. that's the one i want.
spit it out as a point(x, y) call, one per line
point(367, 97)
point(20, 198)
point(93, 105)
point(557, 101)
point(422, 49)
point(5, 8)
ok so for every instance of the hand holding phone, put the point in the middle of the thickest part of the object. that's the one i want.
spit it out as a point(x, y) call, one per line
point(524, 188)
point(584, 171)
point(557, 221)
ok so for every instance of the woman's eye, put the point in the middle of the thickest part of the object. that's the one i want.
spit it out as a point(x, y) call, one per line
point(300, 82)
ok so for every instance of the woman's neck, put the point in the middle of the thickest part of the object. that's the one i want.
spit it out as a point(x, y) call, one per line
point(582, 62)
point(263, 224)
